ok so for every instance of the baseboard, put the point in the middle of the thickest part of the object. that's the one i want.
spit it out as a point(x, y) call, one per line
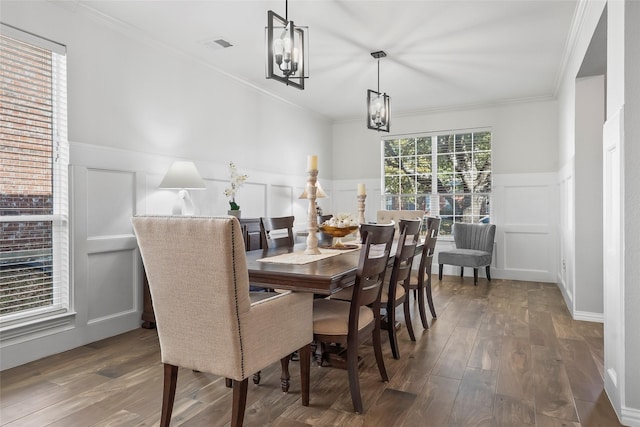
point(588, 316)
point(630, 417)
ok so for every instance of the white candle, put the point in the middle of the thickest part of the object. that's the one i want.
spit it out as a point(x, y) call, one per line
point(361, 190)
point(312, 163)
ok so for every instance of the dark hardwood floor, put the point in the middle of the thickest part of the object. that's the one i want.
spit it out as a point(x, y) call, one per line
point(504, 353)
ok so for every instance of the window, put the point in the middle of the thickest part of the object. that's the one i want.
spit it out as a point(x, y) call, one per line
point(33, 179)
point(444, 174)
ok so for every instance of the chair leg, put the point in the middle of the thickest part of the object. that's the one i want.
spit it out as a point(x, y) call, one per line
point(440, 267)
point(377, 350)
point(430, 298)
point(256, 378)
point(422, 306)
point(168, 393)
point(461, 271)
point(305, 372)
point(475, 276)
point(391, 329)
point(284, 378)
point(228, 382)
point(407, 317)
point(354, 380)
point(239, 402)
point(488, 268)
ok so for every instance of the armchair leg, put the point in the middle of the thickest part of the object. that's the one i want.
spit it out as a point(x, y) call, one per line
point(440, 267)
point(461, 271)
point(475, 276)
point(239, 402)
point(305, 372)
point(168, 393)
point(488, 272)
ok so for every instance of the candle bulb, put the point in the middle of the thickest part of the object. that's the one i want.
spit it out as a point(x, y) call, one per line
point(361, 190)
point(312, 163)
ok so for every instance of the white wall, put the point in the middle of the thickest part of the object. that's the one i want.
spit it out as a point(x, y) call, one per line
point(589, 114)
point(524, 199)
point(621, 186)
point(621, 189)
point(134, 107)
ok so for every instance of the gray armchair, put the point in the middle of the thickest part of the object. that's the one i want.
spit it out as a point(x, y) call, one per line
point(474, 248)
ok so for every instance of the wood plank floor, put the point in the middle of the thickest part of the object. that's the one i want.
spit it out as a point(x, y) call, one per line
point(504, 353)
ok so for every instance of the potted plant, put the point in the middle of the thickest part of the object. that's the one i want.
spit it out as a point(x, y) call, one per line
point(235, 182)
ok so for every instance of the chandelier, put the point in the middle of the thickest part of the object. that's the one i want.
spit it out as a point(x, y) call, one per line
point(378, 103)
point(286, 50)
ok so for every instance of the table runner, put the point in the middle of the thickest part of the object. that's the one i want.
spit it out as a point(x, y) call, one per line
point(299, 257)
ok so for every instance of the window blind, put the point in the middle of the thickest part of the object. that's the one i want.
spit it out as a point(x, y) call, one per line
point(33, 183)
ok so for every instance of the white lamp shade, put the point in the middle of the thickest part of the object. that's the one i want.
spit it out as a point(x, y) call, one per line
point(320, 194)
point(183, 175)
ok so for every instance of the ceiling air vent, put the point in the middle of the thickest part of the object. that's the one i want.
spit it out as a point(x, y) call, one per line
point(217, 43)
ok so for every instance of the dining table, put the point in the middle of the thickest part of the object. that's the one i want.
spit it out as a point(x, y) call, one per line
point(322, 275)
point(333, 271)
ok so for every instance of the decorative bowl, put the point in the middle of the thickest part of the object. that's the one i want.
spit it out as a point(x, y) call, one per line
point(338, 231)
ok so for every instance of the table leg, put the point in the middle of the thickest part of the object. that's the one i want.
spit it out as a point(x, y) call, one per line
point(284, 377)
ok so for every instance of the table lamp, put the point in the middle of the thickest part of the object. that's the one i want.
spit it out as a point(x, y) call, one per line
point(183, 176)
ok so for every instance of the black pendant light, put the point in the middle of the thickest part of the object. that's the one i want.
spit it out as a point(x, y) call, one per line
point(286, 50)
point(378, 115)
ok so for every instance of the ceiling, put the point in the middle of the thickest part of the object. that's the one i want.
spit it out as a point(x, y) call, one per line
point(441, 54)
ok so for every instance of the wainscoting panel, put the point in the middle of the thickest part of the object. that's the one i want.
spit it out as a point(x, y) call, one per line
point(526, 251)
point(280, 200)
point(110, 202)
point(110, 283)
point(107, 292)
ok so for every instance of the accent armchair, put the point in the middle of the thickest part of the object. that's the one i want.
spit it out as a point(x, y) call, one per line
point(474, 248)
point(205, 318)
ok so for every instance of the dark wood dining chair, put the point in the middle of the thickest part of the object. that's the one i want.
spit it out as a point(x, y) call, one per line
point(348, 323)
point(396, 289)
point(421, 280)
point(276, 232)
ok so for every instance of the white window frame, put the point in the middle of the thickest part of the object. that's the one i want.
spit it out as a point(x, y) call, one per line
point(434, 196)
point(13, 326)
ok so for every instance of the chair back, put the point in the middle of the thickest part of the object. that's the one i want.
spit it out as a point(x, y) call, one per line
point(372, 266)
point(283, 224)
point(478, 237)
point(429, 248)
point(386, 216)
point(199, 284)
point(405, 252)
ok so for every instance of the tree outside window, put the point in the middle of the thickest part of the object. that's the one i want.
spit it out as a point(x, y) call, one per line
point(444, 174)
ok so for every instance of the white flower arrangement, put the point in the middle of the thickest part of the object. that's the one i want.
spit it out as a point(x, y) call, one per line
point(236, 180)
point(341, 220)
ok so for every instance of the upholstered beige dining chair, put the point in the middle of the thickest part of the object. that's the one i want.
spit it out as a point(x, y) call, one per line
point(348, 323)
point(386, 216)
point(206, 321)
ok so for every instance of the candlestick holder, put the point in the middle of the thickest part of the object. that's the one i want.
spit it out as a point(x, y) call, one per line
point(361, 207)
point(312, 227)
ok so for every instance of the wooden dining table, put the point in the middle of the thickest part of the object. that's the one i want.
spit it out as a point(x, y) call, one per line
point(324, 277)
